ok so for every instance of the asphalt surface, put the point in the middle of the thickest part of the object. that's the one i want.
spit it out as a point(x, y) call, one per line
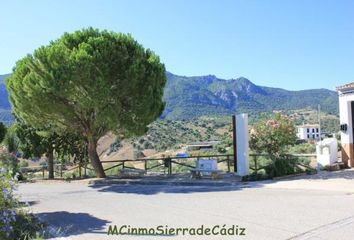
point(311, 207)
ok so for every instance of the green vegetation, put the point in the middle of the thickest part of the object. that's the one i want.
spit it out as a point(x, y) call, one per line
point(34, 143)
point(89, 82)
point(168, 134)
point(191, 97)
point(3, 130)
point(273, 134)
point(15, 222)
point(329, 122)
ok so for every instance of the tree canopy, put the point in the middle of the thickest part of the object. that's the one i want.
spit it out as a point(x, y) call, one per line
point(89, 82)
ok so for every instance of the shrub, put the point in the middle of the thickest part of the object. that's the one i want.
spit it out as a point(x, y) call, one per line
point(15, 222)
point(273, 134)
point(303, 148)
point(7, 204)
point(3, 130)
point(23, 163)
point(9, 165)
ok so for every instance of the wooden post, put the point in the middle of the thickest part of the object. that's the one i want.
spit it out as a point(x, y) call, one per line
point(80, 170)
point(255, 164)
point(234, 140)
point(228, 163)
point(145, 165)
point(169, 166)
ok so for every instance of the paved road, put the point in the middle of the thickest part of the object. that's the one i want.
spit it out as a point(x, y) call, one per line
point(319, 207)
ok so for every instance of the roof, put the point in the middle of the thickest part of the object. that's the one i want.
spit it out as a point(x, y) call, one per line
point(346, 87)
point(309, 126)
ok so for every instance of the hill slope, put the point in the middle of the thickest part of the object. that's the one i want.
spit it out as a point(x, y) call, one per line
point(189, 97)
point(5, 108)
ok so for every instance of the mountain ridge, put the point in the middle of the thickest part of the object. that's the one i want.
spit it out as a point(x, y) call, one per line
point(191, 97)
point(188, 97)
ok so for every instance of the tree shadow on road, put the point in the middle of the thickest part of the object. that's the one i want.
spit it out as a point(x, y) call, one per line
point(155, 189)
point(64, 224)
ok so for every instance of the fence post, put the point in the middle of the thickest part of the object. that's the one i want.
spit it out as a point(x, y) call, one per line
point(169, 166)
point(123, 164)
point(255, 164)
point(167, 163)
point(145, 165)
point(228, 163)
point(61, 170)
point(80, 170)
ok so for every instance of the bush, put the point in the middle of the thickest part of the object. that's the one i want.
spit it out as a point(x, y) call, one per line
point(286, 165)
point(303, 148)
point(7, 204)
point(9, 165)
point(23, 163)
point(3, 130)
point(273, 134)
point(15, 223)
point(115, 146)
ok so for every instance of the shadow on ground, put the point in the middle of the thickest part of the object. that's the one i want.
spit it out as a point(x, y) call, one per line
point(28, 203)
point(326, 175)
point(64, 224)
point(155, 189)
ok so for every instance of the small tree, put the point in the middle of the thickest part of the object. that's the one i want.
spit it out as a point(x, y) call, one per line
point(36, 142)
point(272, 134)
point(89, 82)
point(11, 140)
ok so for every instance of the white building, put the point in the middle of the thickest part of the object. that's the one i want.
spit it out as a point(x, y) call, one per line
point(346, 112)
point(309, 132)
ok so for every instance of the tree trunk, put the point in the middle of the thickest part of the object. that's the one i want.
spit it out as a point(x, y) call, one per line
point(95, 160)
point(50, 157)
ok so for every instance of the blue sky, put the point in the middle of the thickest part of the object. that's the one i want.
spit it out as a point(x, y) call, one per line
point(288, 44)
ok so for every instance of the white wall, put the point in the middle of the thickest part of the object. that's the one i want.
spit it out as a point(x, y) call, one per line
point(345, 116)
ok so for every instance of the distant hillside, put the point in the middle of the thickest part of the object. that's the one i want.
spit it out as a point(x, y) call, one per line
point(189, 97)
point(5, 108)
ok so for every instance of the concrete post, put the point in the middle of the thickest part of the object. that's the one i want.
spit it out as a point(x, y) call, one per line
point(242, 144)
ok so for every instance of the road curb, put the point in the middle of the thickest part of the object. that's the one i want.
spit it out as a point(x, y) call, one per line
point(165, 183)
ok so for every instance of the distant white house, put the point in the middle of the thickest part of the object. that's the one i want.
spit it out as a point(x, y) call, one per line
point(309, 132)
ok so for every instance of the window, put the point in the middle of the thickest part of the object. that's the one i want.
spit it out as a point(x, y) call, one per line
point(313, 136)
point(308, 130)
point(313, 130)
point(308, 135)
point(317, 130)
